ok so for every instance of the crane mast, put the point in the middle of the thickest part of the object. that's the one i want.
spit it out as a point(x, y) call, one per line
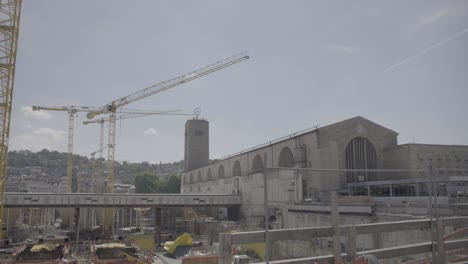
point(71, 110)
point(10, 13)
point(151, 90)
point(128, 115)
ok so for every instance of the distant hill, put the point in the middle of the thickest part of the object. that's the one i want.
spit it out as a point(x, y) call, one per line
point(54, 165)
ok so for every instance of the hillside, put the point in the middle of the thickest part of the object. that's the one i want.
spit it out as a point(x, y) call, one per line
point(53, 165)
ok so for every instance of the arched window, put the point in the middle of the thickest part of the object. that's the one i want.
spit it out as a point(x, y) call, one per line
point(360, 154)
point(286, 158)
point(191, 178)
point(257, 164)
point(236, 170)
point(199, 179)
point(186, 179)
point(209, 175)
point(221, 172)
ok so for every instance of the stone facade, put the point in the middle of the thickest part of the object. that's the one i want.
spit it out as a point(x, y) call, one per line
point(196, 143)
point(446, 160)
point(355, 143)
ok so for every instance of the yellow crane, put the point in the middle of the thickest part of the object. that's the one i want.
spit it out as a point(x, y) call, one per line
point(10, 12)
point(103, 120)
point(112, 107)
point(71, 110)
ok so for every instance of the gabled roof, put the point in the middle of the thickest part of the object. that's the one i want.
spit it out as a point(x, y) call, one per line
point(360, 118)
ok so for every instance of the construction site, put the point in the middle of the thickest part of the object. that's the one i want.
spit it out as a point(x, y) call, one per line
point(344, 192)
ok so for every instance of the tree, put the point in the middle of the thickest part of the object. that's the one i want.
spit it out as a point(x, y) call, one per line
point(150, 183)
point(144, 183)
point(173, 184)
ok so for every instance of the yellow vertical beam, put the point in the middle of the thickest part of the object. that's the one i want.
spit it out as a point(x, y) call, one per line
point(109, 212)
point(10, 12)
point(71, 125)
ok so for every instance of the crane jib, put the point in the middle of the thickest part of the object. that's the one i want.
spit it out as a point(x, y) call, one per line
point(163, 86)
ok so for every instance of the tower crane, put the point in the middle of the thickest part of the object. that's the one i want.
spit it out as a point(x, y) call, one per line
point(10, 12)
point(71, 110)
point(112, 107)
point(129, 115)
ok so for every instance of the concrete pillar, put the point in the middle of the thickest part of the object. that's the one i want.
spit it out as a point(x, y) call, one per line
point(225, 254)
point(131, 214)
point(157, 226)
point(440, 242)
point(108, 221)
point(12, 215)
point(391, 190)
point(335, 227)
point(351, 244)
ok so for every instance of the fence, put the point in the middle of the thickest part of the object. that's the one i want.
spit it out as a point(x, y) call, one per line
point(424, 184)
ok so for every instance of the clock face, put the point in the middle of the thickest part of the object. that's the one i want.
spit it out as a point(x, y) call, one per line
point(197, 111)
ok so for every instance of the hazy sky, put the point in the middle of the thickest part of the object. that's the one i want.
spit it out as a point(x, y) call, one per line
point(403, 64)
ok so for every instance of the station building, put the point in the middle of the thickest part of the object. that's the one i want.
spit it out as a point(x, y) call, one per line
point(355, 143)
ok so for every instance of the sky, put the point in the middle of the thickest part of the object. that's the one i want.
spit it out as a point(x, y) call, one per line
point(402, 64)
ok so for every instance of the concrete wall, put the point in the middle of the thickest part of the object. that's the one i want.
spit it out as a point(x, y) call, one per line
point(322, 148)
point(284, 188)
point(445, 159)
point(196, 143)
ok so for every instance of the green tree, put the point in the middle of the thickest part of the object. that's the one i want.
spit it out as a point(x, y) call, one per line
point(144, 183)
point(150, 183)
point(173, 184)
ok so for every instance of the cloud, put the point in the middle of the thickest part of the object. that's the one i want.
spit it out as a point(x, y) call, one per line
point(436, 16)
point(39, 138)
point(333, 47)
point(151, 131)
point(40, 115)
point(426, 50)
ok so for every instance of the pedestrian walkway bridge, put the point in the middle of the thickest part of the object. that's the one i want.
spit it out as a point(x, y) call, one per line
point(13, 200)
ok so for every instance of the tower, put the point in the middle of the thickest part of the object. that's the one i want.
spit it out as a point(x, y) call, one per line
point(196, 143)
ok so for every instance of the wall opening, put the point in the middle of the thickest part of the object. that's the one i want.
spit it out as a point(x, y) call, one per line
point(286, 158)
point(236, 171)
point(221, 172)
point(360, 154)
point(257, 164)
point(209, 175)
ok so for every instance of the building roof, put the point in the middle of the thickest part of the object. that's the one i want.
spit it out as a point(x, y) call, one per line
point(300, 133)
point(360, 118)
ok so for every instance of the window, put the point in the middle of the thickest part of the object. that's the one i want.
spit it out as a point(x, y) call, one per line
point(257, 164)
point(286, 158)
point(237, 171)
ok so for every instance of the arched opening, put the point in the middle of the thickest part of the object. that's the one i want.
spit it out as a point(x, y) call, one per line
point(236, 170)
point(360, 154)
point(185, 178)
point(286, 158)
point(199, 179)
point(257, 164)
point(191, 178)
point(221, 172)
point(209, 175)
